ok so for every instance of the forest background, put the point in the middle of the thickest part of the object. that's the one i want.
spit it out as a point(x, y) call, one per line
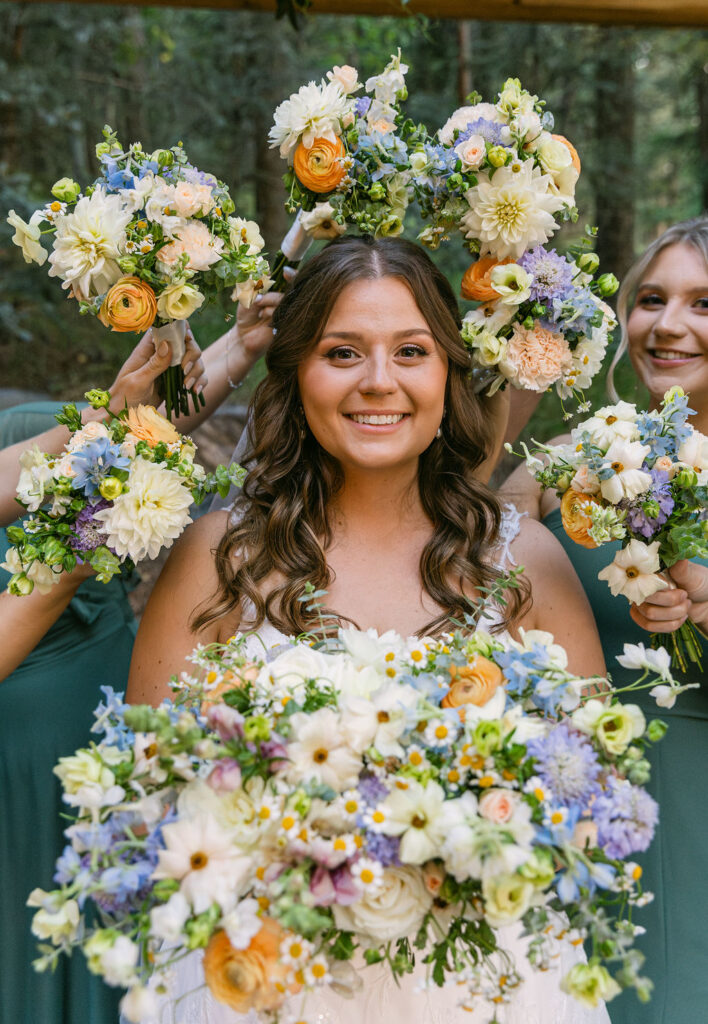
point(633, 101)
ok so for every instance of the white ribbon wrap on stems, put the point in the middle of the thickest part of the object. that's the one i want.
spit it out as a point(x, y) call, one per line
point(173, 333)
point(296, 242)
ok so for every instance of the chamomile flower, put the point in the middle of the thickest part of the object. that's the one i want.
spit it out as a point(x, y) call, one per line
point(317, 972)
point(351, 803)
point(295, 951)
point(376, 818)
point(416, 757)
point(440, 732)
point(367, 875)
point(538, 788)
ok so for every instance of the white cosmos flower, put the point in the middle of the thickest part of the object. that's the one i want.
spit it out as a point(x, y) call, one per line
point(319, 222)
point(365, 648)
point(150, 515)
point(694, 454)
point(491, 316)
point(380, 720)
point(88, 244)
point(628, 479)
point(415, 814)
point(313, 112)
point(27, 236)
point(245, 232)
point(320, 751)
point(203, 857)
point(610, 423)
point(634, 570)
point(512, 211)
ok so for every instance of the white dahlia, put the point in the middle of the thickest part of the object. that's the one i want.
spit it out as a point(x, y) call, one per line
point(512, 211)
point(88, 243)
point(314, 112)
point(150, 515)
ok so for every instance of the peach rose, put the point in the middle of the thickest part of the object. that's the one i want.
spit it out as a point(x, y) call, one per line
point(576, 521)
point(248, 979)
point(477, 281)
point(474, 683)
point(146, 424)
point(433, 877)
point(195, 239)
point(498, 805)
point(319, 167)
point(189, 199)
point(130, 305)
point(571, 149)
point(535, 358)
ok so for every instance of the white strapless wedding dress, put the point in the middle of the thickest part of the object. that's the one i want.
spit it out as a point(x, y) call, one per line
point(380, 1000)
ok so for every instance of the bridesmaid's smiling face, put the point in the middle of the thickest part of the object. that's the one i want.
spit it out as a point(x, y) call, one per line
point(668, 326)
point(373, 387)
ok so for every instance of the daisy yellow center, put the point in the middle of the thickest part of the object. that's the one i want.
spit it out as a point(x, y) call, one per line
point(318, 971)
point(441, 732)
point(390, 656)
point(557, 818)
point(453, 775)
point(288, 822)
point(415, 757)
point(367, 876)
point(378, 817)
point(390, 672)
point(637, 872)
point(351, 807)
point(198, 861)
point(295, 950)
point(340, 845)
point(486, 781)
point(417, 656)
point(418, 821)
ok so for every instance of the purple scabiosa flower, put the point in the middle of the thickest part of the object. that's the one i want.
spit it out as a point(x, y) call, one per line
point(362, 105)
point(372, 790)
point(567, 763)
point(490, 131)
point(552, 274)
point(625, 816)
point(87, 534)
point(650, 510)
point(383, 848)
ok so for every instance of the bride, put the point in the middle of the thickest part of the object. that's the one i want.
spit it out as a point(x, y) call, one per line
point(368, 436)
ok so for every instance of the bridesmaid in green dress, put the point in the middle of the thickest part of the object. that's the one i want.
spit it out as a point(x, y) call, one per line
point(666, 333)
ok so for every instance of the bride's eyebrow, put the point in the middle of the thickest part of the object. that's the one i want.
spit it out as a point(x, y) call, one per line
point(355, 336)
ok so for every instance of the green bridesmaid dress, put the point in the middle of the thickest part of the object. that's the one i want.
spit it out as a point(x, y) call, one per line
point(675, 867)
point(46, 708)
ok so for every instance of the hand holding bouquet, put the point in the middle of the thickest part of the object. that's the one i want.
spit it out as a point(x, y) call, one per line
point(148, 243)
point(348, 164)
point(498, 174)
point(640, 478)
point(273, 810)
point(120, 492)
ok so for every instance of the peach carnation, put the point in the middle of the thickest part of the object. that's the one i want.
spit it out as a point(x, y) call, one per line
point(535, 358)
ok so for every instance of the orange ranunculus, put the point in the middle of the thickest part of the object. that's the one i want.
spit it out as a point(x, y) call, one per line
point(571, 149)
point(474, 683)
point(576, 521)
point(146, 424)
point(130, 305)
point(477, 282)
point(248, 979)
point(319, 167)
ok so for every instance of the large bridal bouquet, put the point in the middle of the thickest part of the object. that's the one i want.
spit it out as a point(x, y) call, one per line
point(640, 478)
point(148, 243)
point(381, 798)
point(119, 492)
point(347, 162)
point(496, 173)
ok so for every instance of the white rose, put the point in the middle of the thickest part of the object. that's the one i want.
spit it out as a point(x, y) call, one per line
point(178, 301)
point(92, 431)
point(471, 152)
point(86, 766)
point(418, 161)
point(292, 668)
point(394, 911)
point(189, 199)
point(553, 155)
point(506, 898)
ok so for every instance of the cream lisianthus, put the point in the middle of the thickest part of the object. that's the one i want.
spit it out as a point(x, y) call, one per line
point(512, 282)
point(634, 572)
point(394, 910)
point(178, 301)
point(313, 112)
point(590, 984)
point(320, 222)
point(491, 315)
point(615, 726)
point(40, 574)
point(27, 236)
point(506, 898)
point(610, 423)
point(415, 814)
point(150, 515)
point(203, 858)
point(88, 243)
point(512, 211)
point(246, 291)
point(321, 751)
point(628, 480)
point(245, 232)
point(489, 349)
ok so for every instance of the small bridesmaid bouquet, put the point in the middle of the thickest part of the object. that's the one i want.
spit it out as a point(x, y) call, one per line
point(347, 162)
point(497, 174)
point(640, 478)
point(119, 493)
point(151, 241)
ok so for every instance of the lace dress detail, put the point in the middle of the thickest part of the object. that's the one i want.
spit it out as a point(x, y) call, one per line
point(380, 1000)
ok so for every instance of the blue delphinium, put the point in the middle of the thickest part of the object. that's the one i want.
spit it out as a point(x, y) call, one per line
point(93, 462)
point(567, 763)
point(625, 816)
point(109, 720)
point(552, 274)
point(372, 790)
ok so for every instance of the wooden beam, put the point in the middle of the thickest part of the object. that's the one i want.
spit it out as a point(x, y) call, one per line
point(666, 13)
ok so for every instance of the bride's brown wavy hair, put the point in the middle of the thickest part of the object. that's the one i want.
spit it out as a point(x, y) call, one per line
point(282, 524)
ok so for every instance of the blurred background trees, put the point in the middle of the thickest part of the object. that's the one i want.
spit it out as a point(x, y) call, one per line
point(634, 102)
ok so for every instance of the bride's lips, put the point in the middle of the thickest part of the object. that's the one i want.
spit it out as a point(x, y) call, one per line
point(383, 421)
point(666, 357)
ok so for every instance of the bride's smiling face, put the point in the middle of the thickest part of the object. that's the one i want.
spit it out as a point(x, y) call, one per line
point(373, 387)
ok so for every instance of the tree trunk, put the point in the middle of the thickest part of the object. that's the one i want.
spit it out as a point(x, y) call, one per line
point(273, 219)
point(702, 96)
